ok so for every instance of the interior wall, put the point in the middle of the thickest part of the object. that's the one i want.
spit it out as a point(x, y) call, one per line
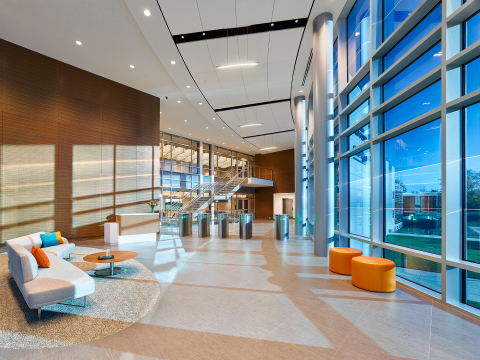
point(282, 165)
point(76, 148)
point(278, 202)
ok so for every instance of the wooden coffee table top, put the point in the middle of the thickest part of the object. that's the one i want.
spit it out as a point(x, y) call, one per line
point(118, 256)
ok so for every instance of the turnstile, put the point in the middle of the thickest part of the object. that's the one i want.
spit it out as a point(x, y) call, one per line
point(281, 226)
point(246, 226)
point(185, 224)
point(223, 225)
point(203, 221)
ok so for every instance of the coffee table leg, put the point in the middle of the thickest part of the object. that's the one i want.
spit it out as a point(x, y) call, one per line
point(112, 268)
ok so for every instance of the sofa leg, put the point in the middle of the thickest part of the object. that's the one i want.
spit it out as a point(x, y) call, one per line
point(39, 313)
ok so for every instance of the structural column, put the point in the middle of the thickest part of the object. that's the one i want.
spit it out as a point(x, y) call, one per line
point(300, 168)
point(200, 161)
point(323, 133)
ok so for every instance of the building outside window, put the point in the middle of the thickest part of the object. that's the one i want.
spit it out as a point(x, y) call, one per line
point(335, 68)
point(362, 85)
point(357, 114)
point(359, 193)
point(358, 32)
point(395, 12)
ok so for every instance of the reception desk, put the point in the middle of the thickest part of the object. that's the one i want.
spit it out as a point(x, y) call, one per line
point(130, 228)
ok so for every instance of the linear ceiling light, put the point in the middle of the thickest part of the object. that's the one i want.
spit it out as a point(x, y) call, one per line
point(235, 65)
point(247, 125)
point(269, 148)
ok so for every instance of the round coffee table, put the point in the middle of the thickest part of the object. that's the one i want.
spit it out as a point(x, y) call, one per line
point(118, 256)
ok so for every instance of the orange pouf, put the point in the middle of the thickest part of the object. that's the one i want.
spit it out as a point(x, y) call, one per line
point(340, 259)
point(373, 274)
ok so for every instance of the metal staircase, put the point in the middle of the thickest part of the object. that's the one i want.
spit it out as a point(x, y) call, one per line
point(203, 195)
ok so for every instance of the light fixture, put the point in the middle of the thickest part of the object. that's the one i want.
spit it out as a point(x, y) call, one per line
point(185, 120)
point(160, 112)
point(357, 33)
point(300, 91)
point(199, 103)
point(223, 127)
point(207, 127)
point(189, 134)
point(172, 62)
point(169, 128)
point(146, 12)
point(203, 34)
point(271, 24)
point(232, 134)
point(213, 118)
point(247, 125)
point(208, 139)
point(178, 101)
point(296, 21)
point(78, 42)
point(237, 147)
point(223, 143)
point(235, 65)
point(183, 37)
point(243, 142)
point(188, 86)
point(132, 66)
point(269, 148)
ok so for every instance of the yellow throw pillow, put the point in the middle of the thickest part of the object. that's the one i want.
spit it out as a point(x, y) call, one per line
point(59, 237)
point(42, 258)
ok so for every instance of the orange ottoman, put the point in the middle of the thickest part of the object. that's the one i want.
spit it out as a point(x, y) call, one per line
point(340, 259)
point(373, 274)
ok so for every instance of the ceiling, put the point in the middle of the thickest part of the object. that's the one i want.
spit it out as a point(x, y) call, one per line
point(116, 34)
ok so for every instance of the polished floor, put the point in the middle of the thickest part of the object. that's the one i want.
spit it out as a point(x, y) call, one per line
point(264, 299)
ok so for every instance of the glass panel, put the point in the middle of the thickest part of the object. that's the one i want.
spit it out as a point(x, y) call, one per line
point(335, 68)
point(359, 193)
point(359, 113)
point(471, 76)
point(359, 137)
point(472, 291)
point(335, 112)
point(472, 30)
point(362, 85)
point(395, 12)
point(413, 37)
point(335, 131)
point(360, 245)
point(417, 270)
point(413, 189)
point(472, 183)
point(336, 150)
point(420, 103)
point(358, 30)
point(337, 200)
point(419, 68)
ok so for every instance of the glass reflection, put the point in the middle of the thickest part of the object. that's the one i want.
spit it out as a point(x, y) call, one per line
point(358, 32)
point(395, 12)
point(359, 191)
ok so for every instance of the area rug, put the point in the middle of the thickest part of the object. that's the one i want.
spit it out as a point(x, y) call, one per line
point(118, 302)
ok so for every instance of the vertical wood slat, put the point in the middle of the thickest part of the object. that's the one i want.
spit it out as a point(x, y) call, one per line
point(61, 130)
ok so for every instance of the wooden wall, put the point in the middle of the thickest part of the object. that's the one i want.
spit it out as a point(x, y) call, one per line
point(282, 164)
point(76, 148)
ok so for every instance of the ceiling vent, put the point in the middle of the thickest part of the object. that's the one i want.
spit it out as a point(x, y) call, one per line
point(309, 62)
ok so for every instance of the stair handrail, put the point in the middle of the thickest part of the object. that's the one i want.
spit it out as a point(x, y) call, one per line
point(240, 172)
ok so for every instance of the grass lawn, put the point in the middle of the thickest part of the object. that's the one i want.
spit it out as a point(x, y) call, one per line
point(427, 244)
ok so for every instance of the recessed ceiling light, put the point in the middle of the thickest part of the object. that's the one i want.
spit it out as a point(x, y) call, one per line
point(160, 112)
point(178, 101)
point(223, 143)
point(269, 148)
point(213, 118)
point(132, 66)
point(203, 34)
point(243, 142)
point(300, 91)
point(237, 147)
point(271, 24)
point(232, 134)
point(223, 127)
point(183, 37)
point(169, 128)
point(199, 103)
point(189, 134)
point(247, 125)
point(172, 62)
point(188, 86)
point(296, 21)
point(146, 12)
point(78, 42)
point(208, 139)
point(235, 65)
point(207, 127)
point(185, 120)
point(248, 150)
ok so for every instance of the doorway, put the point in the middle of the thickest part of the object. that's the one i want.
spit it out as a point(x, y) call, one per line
point(242, 204)
point(288, 207)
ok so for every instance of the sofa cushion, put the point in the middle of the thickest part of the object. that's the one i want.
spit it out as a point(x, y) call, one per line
point(41, 257)
point(58, 234)
point(23, 263)
point(49, 240)
point(62, 281)
point(27, 241)
point(60, 250)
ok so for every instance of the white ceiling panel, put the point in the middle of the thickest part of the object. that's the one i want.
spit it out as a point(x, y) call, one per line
point(280, 72)
point(208, 82)
point(217, 14)
point(217, 100)
point(250, 12)
point(257, 47)
point(279, 91)
point(255, 76)
point(182, 16)
point(284, 45)
point(197, 57)
point(258, 94)
point(231, 79)
point(224, 51)
point(288, 9)
point(236, 97)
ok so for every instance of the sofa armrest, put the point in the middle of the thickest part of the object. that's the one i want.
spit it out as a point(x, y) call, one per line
point(65, 241)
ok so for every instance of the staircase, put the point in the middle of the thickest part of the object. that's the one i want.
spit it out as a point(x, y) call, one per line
point(204, 195)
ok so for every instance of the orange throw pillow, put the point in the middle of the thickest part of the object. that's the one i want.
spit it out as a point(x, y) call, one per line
point(41, 257)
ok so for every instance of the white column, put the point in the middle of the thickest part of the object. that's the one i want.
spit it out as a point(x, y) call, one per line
point(300, 168)
point(323, 133)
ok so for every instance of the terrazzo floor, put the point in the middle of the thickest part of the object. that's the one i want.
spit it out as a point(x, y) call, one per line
point(264, 299)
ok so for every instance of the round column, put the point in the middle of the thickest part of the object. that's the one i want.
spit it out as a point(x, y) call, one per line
point(300, 147)
point(322, 63)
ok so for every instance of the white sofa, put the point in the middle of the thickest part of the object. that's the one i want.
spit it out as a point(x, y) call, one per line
point(40, 287)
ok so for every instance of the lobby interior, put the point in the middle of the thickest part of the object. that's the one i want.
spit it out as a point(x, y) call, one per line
point(229, 154)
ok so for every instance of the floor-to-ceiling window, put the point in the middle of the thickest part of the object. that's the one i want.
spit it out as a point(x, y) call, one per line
point(359, 193)
point(358, 32)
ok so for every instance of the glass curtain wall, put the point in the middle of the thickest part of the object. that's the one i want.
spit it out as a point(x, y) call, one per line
point(406, 154)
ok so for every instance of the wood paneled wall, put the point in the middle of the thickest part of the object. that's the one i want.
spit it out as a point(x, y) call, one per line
point(76, 148)
point(282, 164)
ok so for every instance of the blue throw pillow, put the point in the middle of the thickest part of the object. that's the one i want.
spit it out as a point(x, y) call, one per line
point(49, 239)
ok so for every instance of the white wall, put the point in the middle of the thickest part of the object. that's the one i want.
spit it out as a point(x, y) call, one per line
point(278, 203)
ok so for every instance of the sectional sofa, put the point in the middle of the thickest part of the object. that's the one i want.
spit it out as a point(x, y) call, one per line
point(40, 287)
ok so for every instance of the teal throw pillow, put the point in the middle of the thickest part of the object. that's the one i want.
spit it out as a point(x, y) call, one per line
point(49, 239)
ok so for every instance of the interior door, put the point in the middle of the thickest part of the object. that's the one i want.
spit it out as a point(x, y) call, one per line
point(288, 207)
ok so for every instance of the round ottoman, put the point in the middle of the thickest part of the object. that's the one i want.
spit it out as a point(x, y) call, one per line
point(340, 259)
point(373, 274)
